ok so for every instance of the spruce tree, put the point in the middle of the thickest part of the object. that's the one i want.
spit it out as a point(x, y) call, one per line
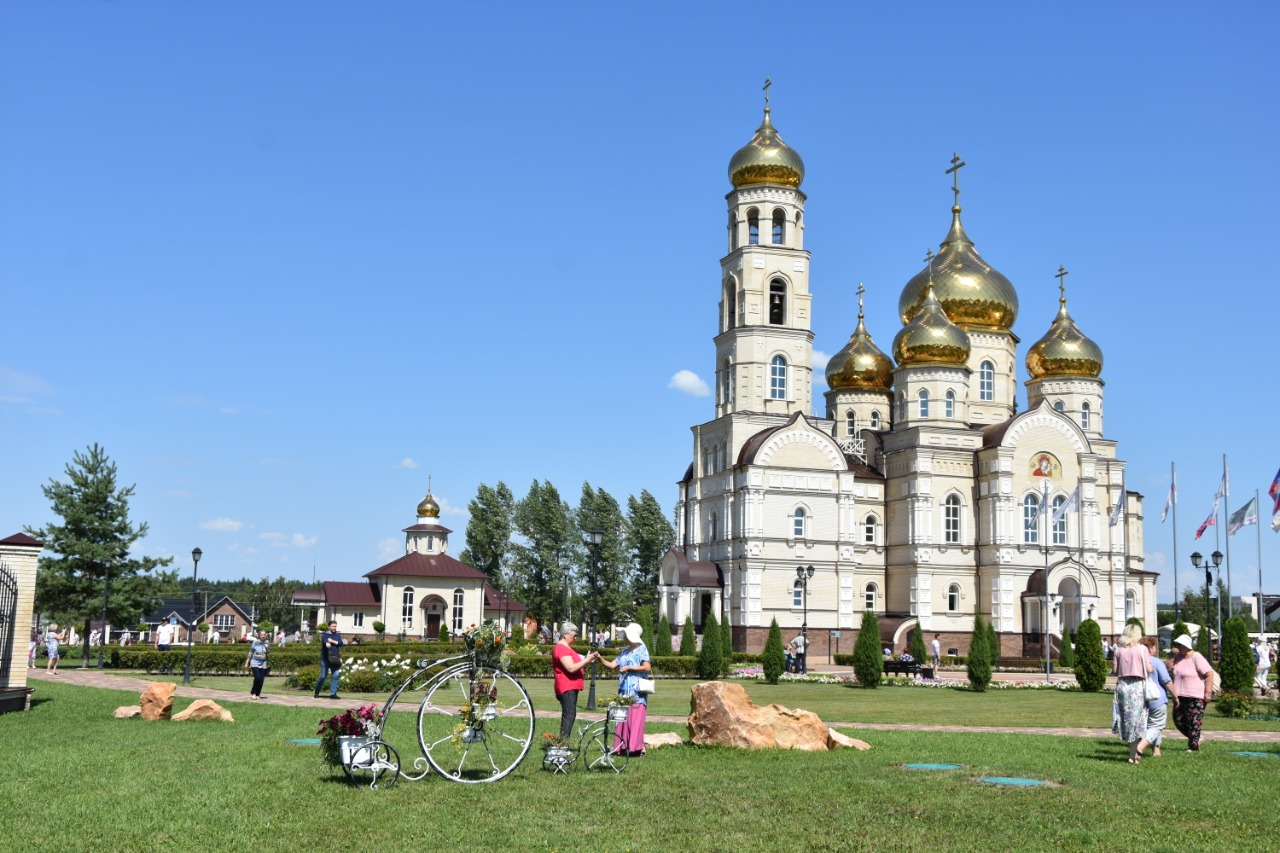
point(662, 639)
point(1066, 654)
point(1179, 628)
point(709, 657)
point(867, 657)
point(774, 657)
point(688, 639)
point(979, 658)
point(917, 648)
point(993, 646)
point(726, 646)
point(1237, 665)
point(1091, 663)
point(1204, 642)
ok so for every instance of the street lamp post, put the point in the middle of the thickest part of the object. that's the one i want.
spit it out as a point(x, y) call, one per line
point(595, 536)
point(1197, 560)
point(803, 574)
point(195, 600)
point(106, 594)
point(1048, 532)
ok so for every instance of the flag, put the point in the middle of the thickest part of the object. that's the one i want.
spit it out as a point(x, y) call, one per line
point(1243, 517)
point(1118, 508)
point(1222, 487)
point(1274, 492)
point(1035, 516)
point(1071, 504)
point(1173, 498)
point(1210, 521)
point(1275, 522)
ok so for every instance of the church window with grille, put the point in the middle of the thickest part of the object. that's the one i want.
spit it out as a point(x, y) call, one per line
point(778, 378)
point(870, 597)
point(953, 598)
point(986, 381)
point(458, 597)
point(1084, 415)
point(851, 423)
point(875, 419)
point(798, 521)
point(406, 608)
point(951, 520)
point(951, 404)
point(1030, 519)
point(869, 526)
point(1059, 526)
point(924, 403)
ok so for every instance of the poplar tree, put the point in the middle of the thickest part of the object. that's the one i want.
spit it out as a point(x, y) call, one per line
point(548, 546)
point(649, 537)
point(489, 531)
point(610, 596)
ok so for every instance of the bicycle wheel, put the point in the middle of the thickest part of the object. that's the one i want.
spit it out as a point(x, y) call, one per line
point(598, 751)
point(475, 726)
point(374, 761)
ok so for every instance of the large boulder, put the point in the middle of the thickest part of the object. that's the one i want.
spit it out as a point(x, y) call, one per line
point(835, 740)
point(125, 712)
point(662, 739)
point(205, 709)
point(723, 715)
point(157, 700)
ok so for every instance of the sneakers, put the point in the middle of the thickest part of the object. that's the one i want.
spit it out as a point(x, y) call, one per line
point(334, 696)
point(317, 694)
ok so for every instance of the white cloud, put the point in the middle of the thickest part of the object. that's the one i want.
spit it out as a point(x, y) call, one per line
point(23, 389)
point(300, 541)
point(820, 360)
point(390, 548)
point(407, 463)
point(277, 540)
point(688, 382)
point(222, 525)
point(228, 410)
point(447, 508)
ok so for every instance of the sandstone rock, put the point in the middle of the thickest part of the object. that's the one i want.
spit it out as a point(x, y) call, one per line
point(157, 700)
point(724, 715)
point(662, 739)
point(205, 709)
point(124, 712)
point(835, 740)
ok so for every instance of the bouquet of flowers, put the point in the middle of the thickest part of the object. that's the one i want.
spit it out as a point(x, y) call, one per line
point(551, 740)
point(485, 643)
point(364, 721)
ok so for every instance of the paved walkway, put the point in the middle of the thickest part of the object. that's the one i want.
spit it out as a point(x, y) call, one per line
point(98, 678)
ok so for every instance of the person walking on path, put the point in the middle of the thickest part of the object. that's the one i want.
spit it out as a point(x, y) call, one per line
point(1193, 687)
point(257, 662)
point(330, 659)
point(935, 651)
point(1262, 653)
point(1157, 708)
point(52, 638)
point(164, 636)
point(1131, 666)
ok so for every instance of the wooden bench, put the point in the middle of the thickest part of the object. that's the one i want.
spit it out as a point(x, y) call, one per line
point(898, 667)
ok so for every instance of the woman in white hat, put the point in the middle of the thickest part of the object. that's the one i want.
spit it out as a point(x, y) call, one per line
point(1193, 687)
point(632, 664)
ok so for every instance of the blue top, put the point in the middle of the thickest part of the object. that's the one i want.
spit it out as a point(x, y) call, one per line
point(258, 653)
point(627, 680)
point(1160, 675)
point(326, 638)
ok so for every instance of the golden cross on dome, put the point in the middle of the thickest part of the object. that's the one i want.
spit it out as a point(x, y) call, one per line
point(767, 84)
point(428, 484)
point(1062, 282)
point(861, 290)
point(956, 165)
point(928, 257)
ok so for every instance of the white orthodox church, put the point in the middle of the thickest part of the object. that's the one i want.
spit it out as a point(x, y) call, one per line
point(919, 495)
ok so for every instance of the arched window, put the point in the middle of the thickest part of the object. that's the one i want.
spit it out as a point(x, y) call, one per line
point(777, 302)
point(951, 404)
point(730, 306)
point(1031, 519)
point(726, 381)
point(869, 525)
point(1059, 526)
point(924, 403)
point(851, 423)
point(778, 378)
point(1059, 407)
point(753, 226)
point(1130, 605)
point(797, 594)
point(986, 381)
point(733, 231)
point(706, 461)
point(715, 528)
point(875, 419)
point(406, 608)
point(798, 523)
point(953, 597)
point(1084, 416)
point(457, 611)
point(870, 597)
point(951, 520)
point(902, 406)
point(779, 220)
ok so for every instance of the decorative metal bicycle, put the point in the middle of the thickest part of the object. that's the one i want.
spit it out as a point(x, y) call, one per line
point(475, 723)
point(599, 744)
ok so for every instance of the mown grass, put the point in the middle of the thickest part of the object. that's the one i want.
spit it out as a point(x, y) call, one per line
point(77, 779)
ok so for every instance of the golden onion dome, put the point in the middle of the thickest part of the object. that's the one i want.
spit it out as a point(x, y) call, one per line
point(766, 159)
point(860, 365)
point(973, 294)
point(931, 338)
point(428, 508)
point(1064, 350)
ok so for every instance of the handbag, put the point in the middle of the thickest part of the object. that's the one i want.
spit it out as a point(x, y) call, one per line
point(645, 685)
point(335, 660)
point(1150, 690)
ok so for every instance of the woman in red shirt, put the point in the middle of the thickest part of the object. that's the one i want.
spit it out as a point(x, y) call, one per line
point(567, 665)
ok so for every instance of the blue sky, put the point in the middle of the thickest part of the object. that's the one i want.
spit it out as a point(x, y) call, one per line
point(285, 260)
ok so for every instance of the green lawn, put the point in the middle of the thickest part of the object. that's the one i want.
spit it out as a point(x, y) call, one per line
point(78, 779)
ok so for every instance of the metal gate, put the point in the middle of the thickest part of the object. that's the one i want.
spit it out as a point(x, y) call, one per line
point(8, 621)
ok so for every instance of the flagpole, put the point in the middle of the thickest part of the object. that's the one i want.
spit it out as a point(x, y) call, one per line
point(1124, 527)
point(1173, 481)
point(1226, 493)
point(1262, 604)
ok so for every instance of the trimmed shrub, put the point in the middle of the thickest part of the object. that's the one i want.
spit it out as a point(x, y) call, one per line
point(979, 665)
point(709, 658)
point(726, 643)
point(444, 633)
point(1066, 654)
point(1179, 628)
point(1091, 666)
point(918, 651)
point(1230, 704)
point(662, 638)
point(1204, 642)
point(269, 627)
point(867, 654)
point(379, 628)
point(1237, 666)
point(688, 639)
point(1134, 620)
point(993, 646)
point(774, 658)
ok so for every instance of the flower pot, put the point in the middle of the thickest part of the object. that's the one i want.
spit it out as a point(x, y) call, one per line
point(557, 759)
point(489, 712)
point(471, 735)
point(349, 745)
point(618, 714)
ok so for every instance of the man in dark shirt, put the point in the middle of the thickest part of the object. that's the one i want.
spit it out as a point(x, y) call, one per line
point(330, 663)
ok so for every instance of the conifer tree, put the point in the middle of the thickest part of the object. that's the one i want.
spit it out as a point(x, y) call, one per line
point(979, 659)
point(688, 639)
point(867, 656)
point(1179, 628)
point(774, 657)
point(1091, 663)
point(917, 646)
point(1204, 642)
point(662, 639)
point(726, 646)
point(1237, 667)
point(1066, 654)
point(709, 657)
point(993, 646)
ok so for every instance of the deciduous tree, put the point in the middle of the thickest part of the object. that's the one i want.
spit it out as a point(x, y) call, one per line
point(649, 536)
point(489, 530)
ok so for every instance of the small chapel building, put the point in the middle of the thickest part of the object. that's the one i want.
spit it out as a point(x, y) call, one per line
point(923, 494)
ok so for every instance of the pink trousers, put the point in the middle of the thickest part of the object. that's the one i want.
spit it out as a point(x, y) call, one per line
point(630, 734)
